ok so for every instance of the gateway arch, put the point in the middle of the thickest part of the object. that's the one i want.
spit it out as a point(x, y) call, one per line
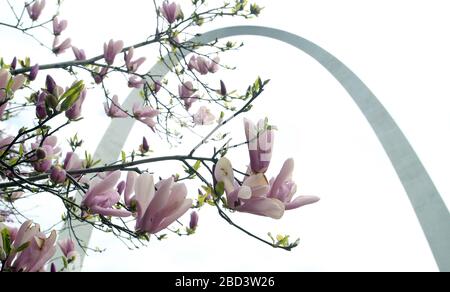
point(425, 199)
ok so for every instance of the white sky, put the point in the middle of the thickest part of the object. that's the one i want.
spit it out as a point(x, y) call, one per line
point(364, 221)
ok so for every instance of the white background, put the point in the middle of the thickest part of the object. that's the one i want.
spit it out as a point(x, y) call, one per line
point(364, 221)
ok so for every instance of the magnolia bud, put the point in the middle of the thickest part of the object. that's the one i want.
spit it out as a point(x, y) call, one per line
point(41, 111)
point(145, 147)
point(33, 72)
point(50, 84)
point(58, 175)
point(41, 153)
point(194, 221)
point(223, 88)
point(14, 63)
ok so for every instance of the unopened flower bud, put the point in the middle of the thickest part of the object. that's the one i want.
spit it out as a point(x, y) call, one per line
point(58, 175)
point(41, 111)
point(14, 63)
point(194, 221)
point(50, 84)
point(34, 72)
point(41, 153)
point(223, 88)
point(145, 147)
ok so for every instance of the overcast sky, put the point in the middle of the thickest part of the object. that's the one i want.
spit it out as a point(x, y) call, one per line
point(364, 221)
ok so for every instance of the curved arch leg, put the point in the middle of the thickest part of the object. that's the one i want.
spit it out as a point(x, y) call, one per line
point(428, 205)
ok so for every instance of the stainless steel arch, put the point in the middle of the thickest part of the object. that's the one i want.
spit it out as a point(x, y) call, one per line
point(428, 205)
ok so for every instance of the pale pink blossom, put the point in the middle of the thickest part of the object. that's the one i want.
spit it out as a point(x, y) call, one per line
point(204, 117)
point(171, 11)
point(102, 196)
point(133, 65)
point(114, 110)
point(79, 54)
point(145, 114)
point(256, 195)
point(157, 209)
point(59, 26)
point(111, 50)
point(39, 251)
point(60, 47)
point(35, 10)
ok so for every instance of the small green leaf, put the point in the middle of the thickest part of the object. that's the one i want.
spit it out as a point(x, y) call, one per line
point(21, 150)
point(65, 263)
point(124, 156)
point(220, 189)
point(23, 247)
point(71, 95)
point(197, 165)
point(6, 238)
point(9, 85)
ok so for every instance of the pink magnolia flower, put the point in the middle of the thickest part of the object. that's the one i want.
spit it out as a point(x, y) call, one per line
point(131, 65)
point(204, 66)
point(114, 110)
point(260, 140)
point(59, 26)
point(5, 142)
point(171, 11)
point(135, 82)
point(156, 86)
point(67, 247)
point(199, 64)
point(186, 92)
point(156, 210)
point(5, 78)
point(74, 112)
point(72, 162)
point(39, 251)
point(100, 76)
point(45, 153)
point(35, 10)
point(102, 196)
point(213, 65)
point(204, 117)
point(111, 50)
point(186, 89)
point(145, 115)
point(79, 54)
point(61, 47)
point(129, 189)
point(256, 196)
point(283, 188)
